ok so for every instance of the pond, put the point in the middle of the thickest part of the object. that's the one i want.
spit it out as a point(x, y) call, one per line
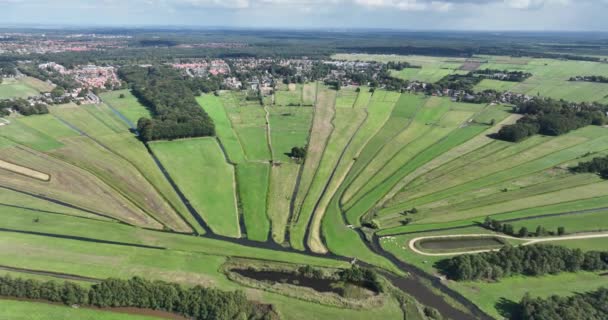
point(320, 285)
point(460, 243)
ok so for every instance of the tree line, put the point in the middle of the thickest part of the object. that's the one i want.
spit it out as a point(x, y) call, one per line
point(592, 305)
point(551, 117)
point(196, 302)
point(597, 165)
point(171, 99)
point(600, 79)
point(503, 75)
point(523, 232)
point(22, 106)
point(532, 260)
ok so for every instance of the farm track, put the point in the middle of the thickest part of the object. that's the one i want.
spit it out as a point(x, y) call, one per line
point(412, 242)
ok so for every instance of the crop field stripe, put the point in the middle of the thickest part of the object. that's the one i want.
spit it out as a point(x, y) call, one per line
point(171, 217)
point(128, 212)
point(282, 184)
point(576, 193)
point(164, 219)
point(561, 155)
point(403, 111)
point(369, 200)
point(452, 155)
point(320, 133)
point(543, 187)
point(423, 128)
point(346, 123)
point(300, 221)
point(153, 174)
point(565, 208)
point(497, 159)
point(373, 122)
point(19, 133)
point(83, 212)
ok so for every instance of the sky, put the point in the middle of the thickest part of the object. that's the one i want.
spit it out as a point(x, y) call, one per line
point(538, 15)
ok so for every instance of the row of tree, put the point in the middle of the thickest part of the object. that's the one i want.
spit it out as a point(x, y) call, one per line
point(597, 165)
point(23, 107)
point(400, 65)
point(523, 232)
point(532, 260)
point(600, 79)
point(503, 75)
point(196, 302)
point(552, 117)
point(171, 99)
point(592, 305)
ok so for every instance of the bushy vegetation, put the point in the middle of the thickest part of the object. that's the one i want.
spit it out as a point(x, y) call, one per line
point(591, 305)
point(600, 79)
point(551, 117)
point(597, 165)
point(196, 302)
point(171, 99)
point(523, 232)
point(298, 152)
point(503, 75)
point(57, 78)
point(22, 106)
point(364, 276)
point(533, 260)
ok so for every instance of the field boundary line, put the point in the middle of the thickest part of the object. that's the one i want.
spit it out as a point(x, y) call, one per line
point(510, 168)
point(161, 194)
point(356, 175)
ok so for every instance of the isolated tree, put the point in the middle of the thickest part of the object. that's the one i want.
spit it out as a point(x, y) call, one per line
point(523, 232)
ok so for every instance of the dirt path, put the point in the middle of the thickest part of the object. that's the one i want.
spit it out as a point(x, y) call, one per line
point(412, 242)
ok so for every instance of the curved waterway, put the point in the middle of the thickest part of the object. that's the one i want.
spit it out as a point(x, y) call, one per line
point(414, 285)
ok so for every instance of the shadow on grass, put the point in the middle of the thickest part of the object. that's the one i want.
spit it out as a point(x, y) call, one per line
point(508, 309)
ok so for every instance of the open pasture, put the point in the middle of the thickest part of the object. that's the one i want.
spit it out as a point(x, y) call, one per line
point(209, 184)
point(128, 106)
point(22, 87)
point(289, 127)
point(253, 193)
point(289, 96)
point(223, 127)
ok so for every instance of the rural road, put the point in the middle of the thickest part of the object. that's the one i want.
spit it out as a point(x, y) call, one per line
point(412, 242)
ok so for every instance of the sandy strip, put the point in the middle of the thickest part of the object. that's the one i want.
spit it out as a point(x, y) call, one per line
point(24, 171)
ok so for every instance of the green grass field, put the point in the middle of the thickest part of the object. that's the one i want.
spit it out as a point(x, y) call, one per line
point(214, 107)
point(253, 190)
point(129, 106)
point(372, 156)
point(22, 310)
point(209, 185)
point(22, 87)
point(289, 127)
